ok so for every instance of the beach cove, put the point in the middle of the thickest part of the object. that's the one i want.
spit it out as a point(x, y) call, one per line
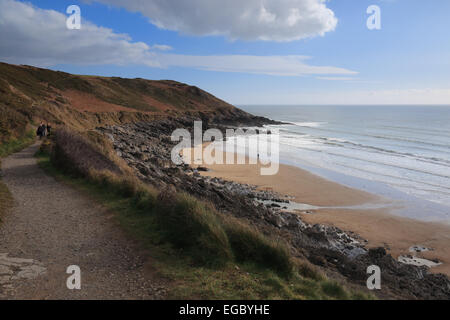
point(349, 209)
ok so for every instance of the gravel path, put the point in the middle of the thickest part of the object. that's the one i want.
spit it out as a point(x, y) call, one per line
point(53, 227)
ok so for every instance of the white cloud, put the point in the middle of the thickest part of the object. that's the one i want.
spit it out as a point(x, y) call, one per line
point(274, 20)
point(270, 65)
point(336, 78)
point(40, 37)
point(30, 35)
point(161, 47)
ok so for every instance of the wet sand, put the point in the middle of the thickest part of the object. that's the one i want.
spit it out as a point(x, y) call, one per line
point(378, 226)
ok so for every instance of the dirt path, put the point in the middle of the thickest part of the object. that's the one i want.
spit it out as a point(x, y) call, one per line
point(52, 227)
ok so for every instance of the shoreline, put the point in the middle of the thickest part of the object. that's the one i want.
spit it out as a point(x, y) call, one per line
point(370, 217)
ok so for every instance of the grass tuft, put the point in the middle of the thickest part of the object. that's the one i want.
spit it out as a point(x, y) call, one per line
point(250, 245)
point(192, 226)
point(75, 154)
point(13, 145)
point(335, 290)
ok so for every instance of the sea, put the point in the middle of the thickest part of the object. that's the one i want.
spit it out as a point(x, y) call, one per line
point(401, 153)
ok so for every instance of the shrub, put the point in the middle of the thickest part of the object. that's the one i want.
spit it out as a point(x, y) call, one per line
point(13, 145)
point(194, 227)
point(307, 270)
point(143, 196)
point(334, 289)
point(250, 245)
point(76, 155)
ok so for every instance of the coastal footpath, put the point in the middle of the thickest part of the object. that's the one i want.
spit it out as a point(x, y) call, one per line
point(51, 227)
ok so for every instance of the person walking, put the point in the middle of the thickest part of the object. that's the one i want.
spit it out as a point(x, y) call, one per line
point(41, 130)
point(44, 129)
point(49, 128)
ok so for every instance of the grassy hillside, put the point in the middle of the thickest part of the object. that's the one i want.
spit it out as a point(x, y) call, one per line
point(29, 95)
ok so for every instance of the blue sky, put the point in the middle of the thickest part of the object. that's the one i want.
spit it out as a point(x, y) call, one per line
point(407, 61)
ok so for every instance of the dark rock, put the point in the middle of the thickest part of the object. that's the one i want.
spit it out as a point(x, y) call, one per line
point(377, 253)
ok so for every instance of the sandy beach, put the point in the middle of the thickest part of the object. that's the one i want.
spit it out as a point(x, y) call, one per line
point(378, 226)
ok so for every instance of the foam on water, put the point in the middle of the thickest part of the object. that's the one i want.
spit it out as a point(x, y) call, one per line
point(406, 149)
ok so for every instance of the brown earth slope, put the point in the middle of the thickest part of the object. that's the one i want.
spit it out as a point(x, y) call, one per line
point(29, 94)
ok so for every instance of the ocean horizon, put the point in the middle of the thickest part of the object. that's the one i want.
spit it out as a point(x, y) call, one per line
point(399, 152)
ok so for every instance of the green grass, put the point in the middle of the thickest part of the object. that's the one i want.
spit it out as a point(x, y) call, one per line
point(16, 144)
point(249, 245)
point(193, 227)
point(179, 263)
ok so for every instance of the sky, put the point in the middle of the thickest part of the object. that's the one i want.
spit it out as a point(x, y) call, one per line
point(245, 52)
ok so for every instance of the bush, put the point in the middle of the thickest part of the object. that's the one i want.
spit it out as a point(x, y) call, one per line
point(250, 245)
point(76, 155)
point(194, 227)
point(13, 145)
point(307, 270)
point(143, 196)
point(335, 290)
